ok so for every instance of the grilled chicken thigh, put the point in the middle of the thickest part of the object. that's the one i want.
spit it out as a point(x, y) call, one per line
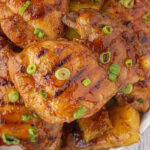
point(13, 115)
point(121, 43)
point(79, 95)
point(133, 18)
point(24, 22)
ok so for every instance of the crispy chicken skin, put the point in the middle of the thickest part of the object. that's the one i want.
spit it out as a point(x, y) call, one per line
point(139, 98)
point(125, 121)
point(11, 113)
point(41, 14)
point(65, 97)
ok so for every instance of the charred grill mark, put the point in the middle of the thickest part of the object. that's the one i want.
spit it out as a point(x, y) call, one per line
point(21, 70)
point(42, 52)
point(4, 82)
point(61, 63)
point(97, 85)
point(75, 77)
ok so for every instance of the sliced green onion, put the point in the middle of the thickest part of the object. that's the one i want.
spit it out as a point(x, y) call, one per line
point(127, 89)
point(31, 69)
point(146, 17)
point(33, 132)
point(24, 7)
point(13, 96)
point(8, 139)
point(107, 30)
point(129, 63)
point(33, 139)
point(86, 82)
point(140, 101)
point(80, 112)
point(36, 116)
point(26, 117)
point(115, 69)
point(127, 3)
point(142, 79)
point(39, 32)
point(44, 94)
point(105, 55)
point(95, 1)
point(112, 77)
point(62, 74)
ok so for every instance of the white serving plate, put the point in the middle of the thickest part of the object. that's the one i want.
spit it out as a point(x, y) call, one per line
point(145, 122)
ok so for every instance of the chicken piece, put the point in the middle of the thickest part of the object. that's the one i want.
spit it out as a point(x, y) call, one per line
point(49, 135)
point(76, 5)
point(132, 18)
point(122, 43)
point(40, 14)
point(11, 114)
point(66, 98)
point(95, 125)
point(139, 98)
point(125, 131)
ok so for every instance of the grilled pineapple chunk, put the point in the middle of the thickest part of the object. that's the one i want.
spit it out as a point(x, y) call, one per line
point(95, 125)
point(125, 131)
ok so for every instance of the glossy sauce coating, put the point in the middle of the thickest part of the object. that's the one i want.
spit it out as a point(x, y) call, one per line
point(65, 97)
point(11, 122)
point(44, 15)
point(122, 43)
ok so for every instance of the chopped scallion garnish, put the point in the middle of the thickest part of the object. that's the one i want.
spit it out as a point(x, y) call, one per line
point(24, 7)
point(127, 89)
point(140, 101)
point(107, 30)
point(127, 3)
point(31, 69)
point(26, 117)
point(36, 116)
point(44, 94)
point(13, 96)
point(115, 69)
point(39, 33)
point(86, 82)
point(129, 63)
point(146, 17)
point(62, 74)
point(105, 57)
point(80, 112)
point(8, 139)
point(95, 1)
point(112, 77)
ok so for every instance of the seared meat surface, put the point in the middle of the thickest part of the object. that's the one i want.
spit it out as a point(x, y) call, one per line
point(11, 114)
point(132, 18)
point(139, 98)
point(68, 96)
point(40, 14)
